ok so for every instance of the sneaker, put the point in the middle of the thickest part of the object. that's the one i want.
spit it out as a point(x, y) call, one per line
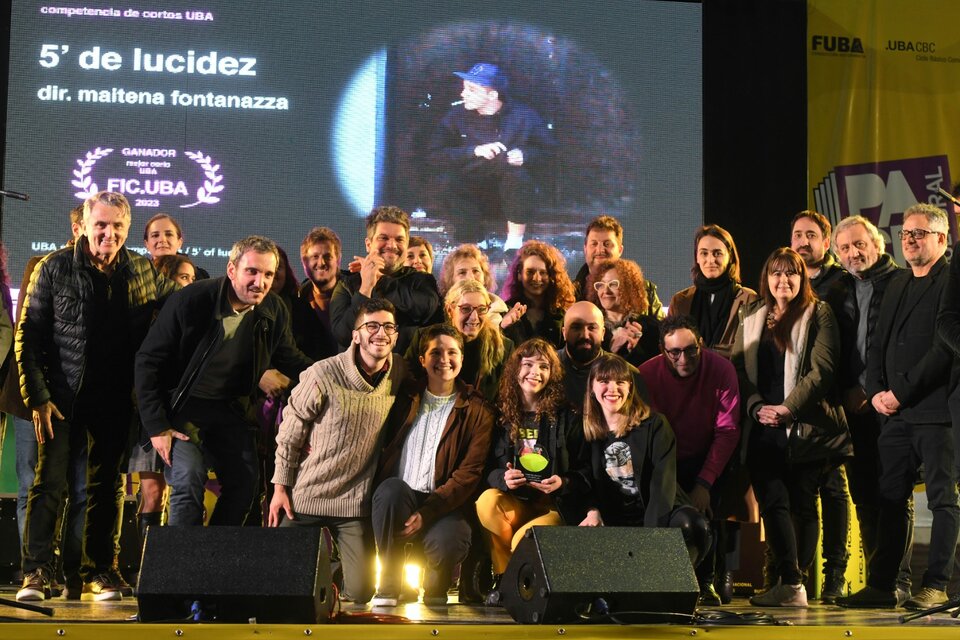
point(385, 600)
point(782, 595)
point(513, 242)
point(100, 588)
point(36, 586)
point(125, 589)
point(834, 586)
point(869, 598)
point(927, 598)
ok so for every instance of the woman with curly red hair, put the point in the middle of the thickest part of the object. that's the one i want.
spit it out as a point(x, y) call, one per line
point(538, 292)
point(620, 290)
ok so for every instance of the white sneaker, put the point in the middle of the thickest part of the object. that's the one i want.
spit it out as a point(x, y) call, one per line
point(782, 595)
point(512, 242)
point(36, 586)
point(28, 594)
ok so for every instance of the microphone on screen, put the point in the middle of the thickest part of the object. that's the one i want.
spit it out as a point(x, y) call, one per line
point(15, 194)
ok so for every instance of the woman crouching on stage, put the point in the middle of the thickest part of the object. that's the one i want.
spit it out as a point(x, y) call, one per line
point(539, 429)
point(633, 459)
point(787, 352)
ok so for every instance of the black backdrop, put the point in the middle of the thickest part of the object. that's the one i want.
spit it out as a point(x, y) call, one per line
point(754, 120)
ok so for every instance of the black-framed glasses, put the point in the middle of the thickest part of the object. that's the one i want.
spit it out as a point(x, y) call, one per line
point(689, 352)
point(916, 234)
point(467, 310)
point(373, 328)
point(613, 285)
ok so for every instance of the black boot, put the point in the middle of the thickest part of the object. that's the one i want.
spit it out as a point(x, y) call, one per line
point(834, 585)
point(494, 598)
point(476, 579)
point(725, 587)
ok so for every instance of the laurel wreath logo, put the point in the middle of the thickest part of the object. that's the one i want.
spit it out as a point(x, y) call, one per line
point(211, 185)
point(84, 181)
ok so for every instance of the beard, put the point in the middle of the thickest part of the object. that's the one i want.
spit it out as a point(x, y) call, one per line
point(583, 351)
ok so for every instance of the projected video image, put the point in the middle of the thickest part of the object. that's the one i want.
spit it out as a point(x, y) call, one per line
point(240, 118)
point(498, 132)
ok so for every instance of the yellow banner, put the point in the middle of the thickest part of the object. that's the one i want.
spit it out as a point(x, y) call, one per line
point(883, 83)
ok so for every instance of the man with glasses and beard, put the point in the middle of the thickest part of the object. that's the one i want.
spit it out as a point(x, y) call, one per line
point(909, 382)
point(697, 390)
point(329, 442)
point(583, 334)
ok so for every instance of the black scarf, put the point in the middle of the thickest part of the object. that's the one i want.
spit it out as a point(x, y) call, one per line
point(712, 317)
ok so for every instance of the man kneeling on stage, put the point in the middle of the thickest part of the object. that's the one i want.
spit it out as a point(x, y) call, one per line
point(437, 435)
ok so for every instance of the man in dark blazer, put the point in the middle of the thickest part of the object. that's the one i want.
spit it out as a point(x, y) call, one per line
point(908, 383)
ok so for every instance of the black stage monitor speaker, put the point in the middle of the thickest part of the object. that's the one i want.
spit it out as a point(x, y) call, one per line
point(559, 574)
point(234, 574)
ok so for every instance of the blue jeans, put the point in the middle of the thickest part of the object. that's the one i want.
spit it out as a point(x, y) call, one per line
point(222, 438)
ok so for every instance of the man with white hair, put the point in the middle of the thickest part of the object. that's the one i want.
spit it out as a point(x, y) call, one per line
point(862, 251)
point(86, 311)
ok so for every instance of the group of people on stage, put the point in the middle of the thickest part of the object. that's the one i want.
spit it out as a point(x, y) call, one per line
point(393, 407)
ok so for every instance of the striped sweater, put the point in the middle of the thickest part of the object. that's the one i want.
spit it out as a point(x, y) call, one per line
point(329, 438)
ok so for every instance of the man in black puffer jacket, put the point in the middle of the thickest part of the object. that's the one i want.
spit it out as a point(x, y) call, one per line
point(86, 310)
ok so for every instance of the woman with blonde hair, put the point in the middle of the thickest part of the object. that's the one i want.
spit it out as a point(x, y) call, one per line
point(485, 350)
point(467, 262)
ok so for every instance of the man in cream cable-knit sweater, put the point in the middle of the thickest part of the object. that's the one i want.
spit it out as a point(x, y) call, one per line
point(329, 440)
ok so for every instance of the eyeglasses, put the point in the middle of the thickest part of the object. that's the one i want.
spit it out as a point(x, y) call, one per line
point(467, 310)
point(917, 234)
point(690, 353)
point(613, 285)
point(373, 328)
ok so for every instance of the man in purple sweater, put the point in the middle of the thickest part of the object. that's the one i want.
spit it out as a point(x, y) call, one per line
point(697, 390)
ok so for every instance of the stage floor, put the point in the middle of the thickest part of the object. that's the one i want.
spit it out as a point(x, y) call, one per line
point(106, 621)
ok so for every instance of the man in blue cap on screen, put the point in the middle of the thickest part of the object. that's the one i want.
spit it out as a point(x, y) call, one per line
point(487, 150)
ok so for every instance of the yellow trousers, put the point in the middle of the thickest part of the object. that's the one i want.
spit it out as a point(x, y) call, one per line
point(505, 519)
